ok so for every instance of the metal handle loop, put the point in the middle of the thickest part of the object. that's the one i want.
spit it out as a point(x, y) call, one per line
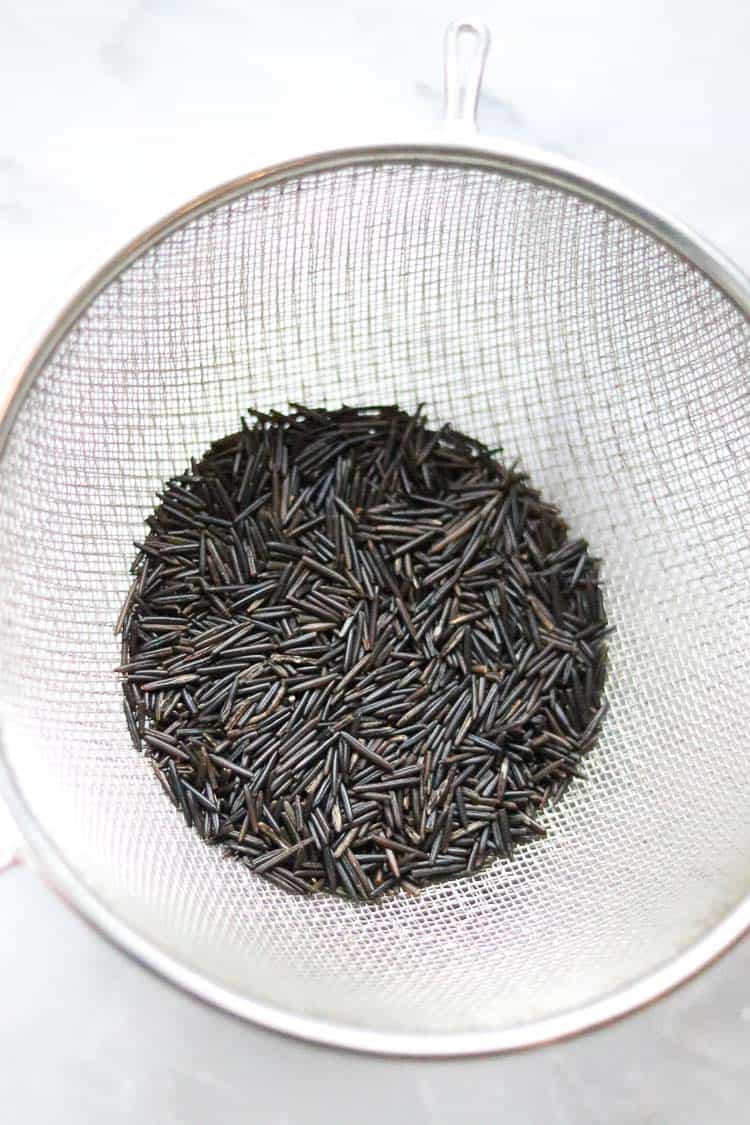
point(463, 78)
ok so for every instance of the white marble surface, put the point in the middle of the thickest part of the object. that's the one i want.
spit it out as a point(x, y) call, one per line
point(111, 114)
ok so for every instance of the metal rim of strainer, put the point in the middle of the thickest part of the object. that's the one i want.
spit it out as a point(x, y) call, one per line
point(522, 162)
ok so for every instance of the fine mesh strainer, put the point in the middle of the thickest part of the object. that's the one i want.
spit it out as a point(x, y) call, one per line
point(531, 305)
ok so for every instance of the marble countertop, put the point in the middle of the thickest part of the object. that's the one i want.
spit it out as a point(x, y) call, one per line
point(112, 114)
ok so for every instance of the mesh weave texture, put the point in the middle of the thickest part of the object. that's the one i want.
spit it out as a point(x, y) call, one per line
point(528, 317)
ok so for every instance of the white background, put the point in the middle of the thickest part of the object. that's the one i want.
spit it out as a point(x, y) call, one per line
point(114, 112)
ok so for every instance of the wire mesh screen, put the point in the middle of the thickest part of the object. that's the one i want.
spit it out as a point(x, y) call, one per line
point(616, 372)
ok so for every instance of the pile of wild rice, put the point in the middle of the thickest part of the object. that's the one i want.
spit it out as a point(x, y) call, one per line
point(361, 653)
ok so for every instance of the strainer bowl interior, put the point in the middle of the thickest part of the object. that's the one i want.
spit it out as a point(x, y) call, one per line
point(531, 317)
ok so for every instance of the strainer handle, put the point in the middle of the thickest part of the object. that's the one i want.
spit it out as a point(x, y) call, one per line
point(463, 76)
point(10, 840)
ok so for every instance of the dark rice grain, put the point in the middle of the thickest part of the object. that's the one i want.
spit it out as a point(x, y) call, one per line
point(361, 654)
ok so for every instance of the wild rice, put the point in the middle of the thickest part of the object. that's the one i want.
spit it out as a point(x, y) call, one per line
point(360, 653)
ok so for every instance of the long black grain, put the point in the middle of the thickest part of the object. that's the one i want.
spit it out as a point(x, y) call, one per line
point(361, 654)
